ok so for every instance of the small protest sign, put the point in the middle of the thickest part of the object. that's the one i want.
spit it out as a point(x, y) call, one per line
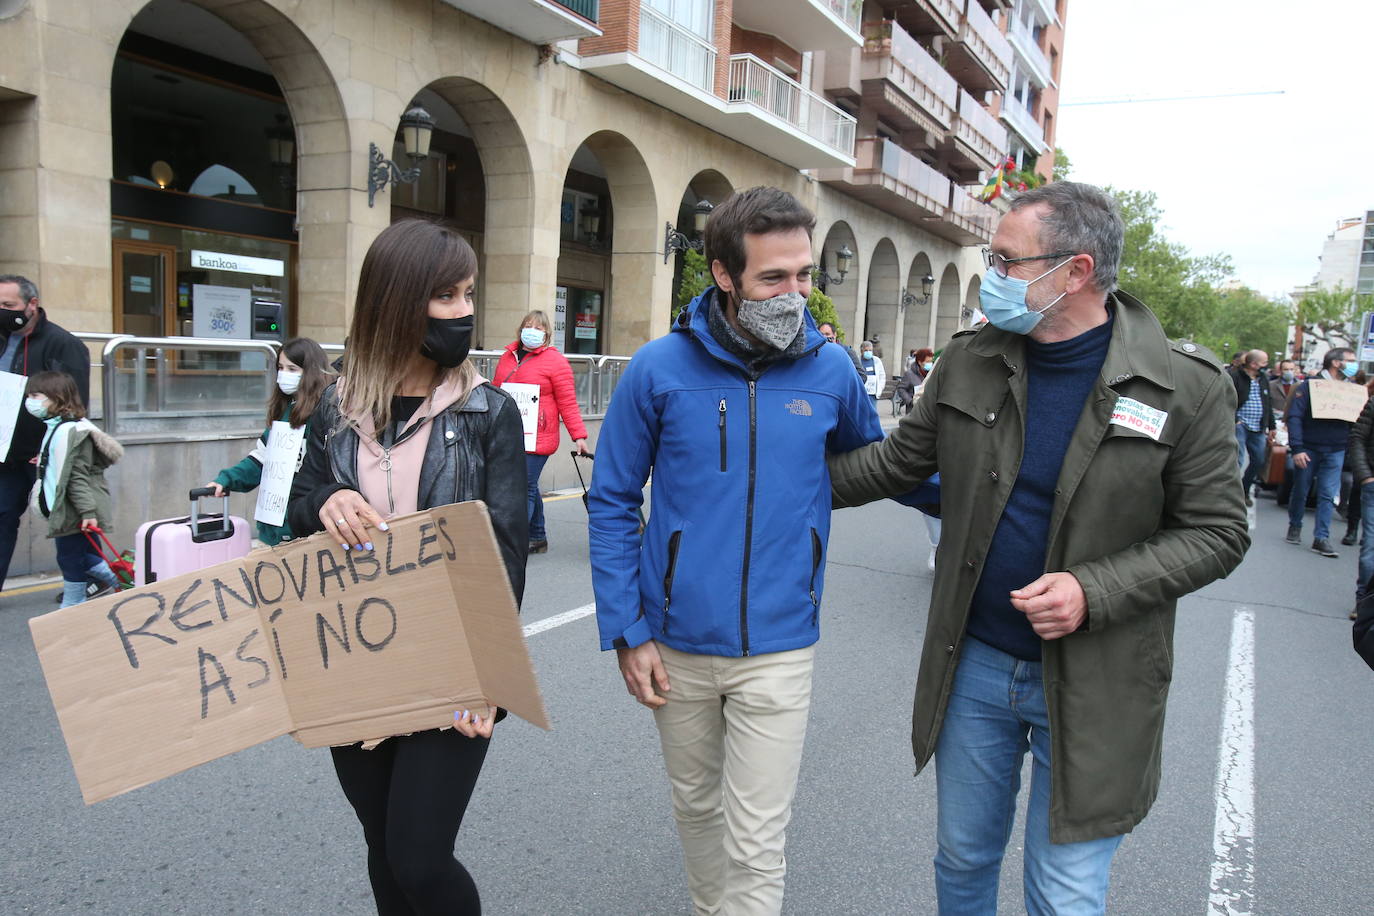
point(527, 399)
point(278, 470)
point(308, 639)
point(11, 402)
point(1336, 400)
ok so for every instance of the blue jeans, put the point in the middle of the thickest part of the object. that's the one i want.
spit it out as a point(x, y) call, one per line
point(1327, 467)
point(1366, 568)
point(15, 483)
point(1252, 443)
point(996, 713)
point(534, 466)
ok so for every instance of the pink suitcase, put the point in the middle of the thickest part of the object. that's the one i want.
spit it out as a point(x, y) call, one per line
point(172, 546)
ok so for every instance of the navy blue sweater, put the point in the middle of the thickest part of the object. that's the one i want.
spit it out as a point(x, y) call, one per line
point(1305, 431)
point(1059, 377)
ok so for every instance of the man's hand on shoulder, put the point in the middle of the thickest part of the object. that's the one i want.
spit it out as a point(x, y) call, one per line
point(642, 668)
point(1054, 604)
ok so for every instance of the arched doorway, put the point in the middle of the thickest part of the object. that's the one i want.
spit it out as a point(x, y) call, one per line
point(707, 185)
point(973, 313)
point(948, 304)
point(880, 309)
point(236, 110)
point(608, 223)
point(845, 293)
point(916, 331)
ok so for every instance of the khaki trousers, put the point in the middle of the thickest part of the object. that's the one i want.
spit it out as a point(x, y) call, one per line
point(732, 733)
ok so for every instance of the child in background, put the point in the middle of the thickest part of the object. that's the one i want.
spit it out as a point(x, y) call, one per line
point(70, 491)
point(303, 373)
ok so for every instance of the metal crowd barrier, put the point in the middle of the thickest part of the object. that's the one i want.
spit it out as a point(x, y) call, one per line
point(174, 386)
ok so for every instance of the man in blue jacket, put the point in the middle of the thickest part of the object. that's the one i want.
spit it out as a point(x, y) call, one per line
point(715, 615)
point(1318, 448)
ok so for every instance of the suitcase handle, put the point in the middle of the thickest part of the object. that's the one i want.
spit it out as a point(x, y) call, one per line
point(226, 528)
point(589, 456)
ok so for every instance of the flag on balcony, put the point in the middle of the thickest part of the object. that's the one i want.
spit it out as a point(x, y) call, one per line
point(996, 182)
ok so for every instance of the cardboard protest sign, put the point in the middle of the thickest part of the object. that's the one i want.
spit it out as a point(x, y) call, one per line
point(305, 638)
point(1336, 400)
point(527, 400)
point(11, 402)
point(278, 470)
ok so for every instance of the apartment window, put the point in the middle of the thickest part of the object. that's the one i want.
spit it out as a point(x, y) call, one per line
point(692, 15)
point(1049, 128)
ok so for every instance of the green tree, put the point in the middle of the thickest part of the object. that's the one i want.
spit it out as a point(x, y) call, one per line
point(1243, 319)
point(695, 279)
point(1178, 286)
point(1331, 315)
point(822, 308)
point(1062, 165)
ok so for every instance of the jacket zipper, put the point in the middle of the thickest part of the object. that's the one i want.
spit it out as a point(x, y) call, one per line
point(815, 568)
point(749, 518)
point(674, 540)
point(386, 466)
point(721, 426)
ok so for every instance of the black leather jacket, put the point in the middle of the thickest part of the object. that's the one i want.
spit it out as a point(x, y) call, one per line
point(476, 450)
point(1359, 452)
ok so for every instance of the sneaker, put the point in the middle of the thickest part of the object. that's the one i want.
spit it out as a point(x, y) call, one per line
point(930, 561)
point(540, 546)
point(1323, 547)
point(1350, 535)
point(1294, 535)
point(101, 591)
point(1249, 500)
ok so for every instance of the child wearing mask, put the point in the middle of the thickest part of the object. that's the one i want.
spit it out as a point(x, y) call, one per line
point(303, 373)
point(70, 491)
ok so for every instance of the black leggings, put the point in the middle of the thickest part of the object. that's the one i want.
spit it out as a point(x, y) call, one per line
point(410, 794)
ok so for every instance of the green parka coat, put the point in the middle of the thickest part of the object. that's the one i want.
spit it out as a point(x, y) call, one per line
point(1147, 509)
point(74, 456)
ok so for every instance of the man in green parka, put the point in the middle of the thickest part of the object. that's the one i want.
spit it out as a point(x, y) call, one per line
point(1088, 480)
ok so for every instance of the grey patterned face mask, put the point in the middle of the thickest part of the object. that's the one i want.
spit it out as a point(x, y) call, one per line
point(774, 321)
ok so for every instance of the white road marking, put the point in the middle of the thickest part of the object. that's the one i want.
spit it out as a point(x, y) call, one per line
point(557, 620)
point(1233, 842)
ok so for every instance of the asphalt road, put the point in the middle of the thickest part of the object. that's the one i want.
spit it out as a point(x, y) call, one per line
point(578, 821)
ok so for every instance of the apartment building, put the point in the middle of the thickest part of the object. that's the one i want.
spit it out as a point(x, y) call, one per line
point(1346, 262)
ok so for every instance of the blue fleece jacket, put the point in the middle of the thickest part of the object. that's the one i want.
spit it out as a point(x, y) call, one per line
point(1305, 431)
point(732, 562)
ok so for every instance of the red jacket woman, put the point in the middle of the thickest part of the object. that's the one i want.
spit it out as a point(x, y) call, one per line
point(530, 360)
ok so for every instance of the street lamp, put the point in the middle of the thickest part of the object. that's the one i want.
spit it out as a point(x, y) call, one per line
point(927, 284)
point(590, 223)
point(677, 241)
point(417, 127)
point(844, 259)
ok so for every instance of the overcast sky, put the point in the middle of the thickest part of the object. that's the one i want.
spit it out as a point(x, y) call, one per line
point(1262, 178)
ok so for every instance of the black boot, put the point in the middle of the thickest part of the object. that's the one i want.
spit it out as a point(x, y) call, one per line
point(1352, 533)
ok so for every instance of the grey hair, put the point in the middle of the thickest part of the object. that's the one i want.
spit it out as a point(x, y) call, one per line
point(1082, 218)
point(27, 290)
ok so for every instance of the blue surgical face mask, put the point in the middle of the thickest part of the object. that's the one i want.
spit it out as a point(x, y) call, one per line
point(532, 338)
point(926, 367)
point(1004, 301)
point(1288, 375)
point(37, 407)
point(1350, 369)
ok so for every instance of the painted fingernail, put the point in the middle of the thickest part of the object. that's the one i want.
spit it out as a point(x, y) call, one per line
point(384, 526)
point(367, 546)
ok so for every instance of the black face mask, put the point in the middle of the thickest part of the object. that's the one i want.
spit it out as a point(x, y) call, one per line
point(13, 320)
point(447, 340)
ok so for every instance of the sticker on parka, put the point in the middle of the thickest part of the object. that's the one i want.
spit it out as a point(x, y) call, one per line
point(1142, 418)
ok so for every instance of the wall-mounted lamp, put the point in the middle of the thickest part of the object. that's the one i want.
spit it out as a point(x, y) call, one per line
point(590, 220)
point(676, 241)
point(927, 284)
point(844, 259)
point(417, 126)
point(162, 174)
point(281, 149)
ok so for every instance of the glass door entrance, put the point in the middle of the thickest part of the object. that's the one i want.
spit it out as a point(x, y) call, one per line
point(144, 288)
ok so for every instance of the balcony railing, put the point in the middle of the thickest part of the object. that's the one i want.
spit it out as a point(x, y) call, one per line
point(1023, 41)
point(914, 71)
point(850, 12)
point(988, 44)
point(1024, 123)
point(754, 83)
point(670, 47)
point(1046, 10)
point(587, 9)
point(973, 215)
point(917, 182)
point(980, 130)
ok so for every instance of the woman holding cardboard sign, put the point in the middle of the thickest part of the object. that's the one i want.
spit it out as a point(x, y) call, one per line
point(542, 381)
point(302, 375)
point(409, 426)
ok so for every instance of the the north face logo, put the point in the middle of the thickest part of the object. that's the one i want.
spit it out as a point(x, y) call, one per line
point(799, 407)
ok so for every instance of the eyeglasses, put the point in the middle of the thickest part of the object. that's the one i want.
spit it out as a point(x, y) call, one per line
point(1000, 264)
